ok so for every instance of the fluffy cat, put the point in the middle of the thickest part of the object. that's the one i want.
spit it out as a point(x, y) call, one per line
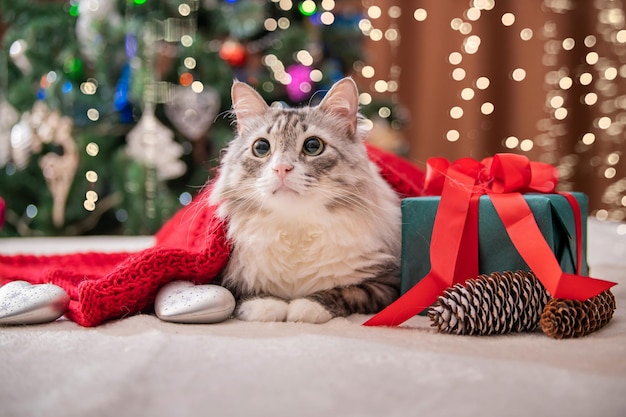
point(315, 229)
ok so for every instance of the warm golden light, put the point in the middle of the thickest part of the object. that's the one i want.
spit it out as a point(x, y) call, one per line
point(91, 176)
point(376, 34)
point(556, 102)
point(511, 142)
point(327, 18)
point(368, 71)
point(453, 135)
point(455, 58)
point(93, 114)
point(458, 74)
point(589, 138)
point(487, 108)
point(394, 12)
point(467, 94)
point(456, 112)
point(420, 15)
point(518, 74)
point(374, 12)
point(270, 24)
point(482, 83)
point(508, 19)
point(92, 149)
point(526, 34)
point(568, 44)
point(526, 145)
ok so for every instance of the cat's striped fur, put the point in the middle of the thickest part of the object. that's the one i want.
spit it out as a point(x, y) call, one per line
point(315, 229)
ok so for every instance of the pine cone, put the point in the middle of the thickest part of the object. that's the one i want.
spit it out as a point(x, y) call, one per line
point(564, 318)
point(490, 304)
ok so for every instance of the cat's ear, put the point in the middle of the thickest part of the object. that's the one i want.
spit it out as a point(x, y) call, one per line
point(246, 103)
point(343, 101)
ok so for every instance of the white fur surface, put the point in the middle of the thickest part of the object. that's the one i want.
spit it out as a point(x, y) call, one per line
point(296, 255)
point(263, 309)
point(299, 310)
point(307, 311)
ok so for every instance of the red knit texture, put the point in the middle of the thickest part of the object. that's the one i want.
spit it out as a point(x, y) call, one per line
point(191, 246)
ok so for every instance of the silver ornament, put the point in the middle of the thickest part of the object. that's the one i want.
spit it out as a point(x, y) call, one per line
point(185, 302)
point(21, 142)
point(17, 52)
point(8, 118)
point(152, 143)
point(23, 303)
point(25, 139)
point(192, 113)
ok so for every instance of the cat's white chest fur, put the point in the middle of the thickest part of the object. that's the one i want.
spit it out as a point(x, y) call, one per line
point(294, 258)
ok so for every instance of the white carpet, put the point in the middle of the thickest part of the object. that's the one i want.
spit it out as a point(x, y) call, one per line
point(141, 366)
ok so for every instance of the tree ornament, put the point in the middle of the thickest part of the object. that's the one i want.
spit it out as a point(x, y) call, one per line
point(563, 319)
point(152, 143)
point(192, 113)
point(92, 15)
point(17, 52)
point(59, 169)
point(8, 118)
point(22, 143)
point(233, 52)
point(300, 86)
point(42, 125)
point(23, 303)
point(490, 304)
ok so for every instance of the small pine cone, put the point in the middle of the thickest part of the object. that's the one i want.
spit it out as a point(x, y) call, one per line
point(490, 304)
point(562, 318)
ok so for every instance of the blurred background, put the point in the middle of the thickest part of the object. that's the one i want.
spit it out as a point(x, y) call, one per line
point(112, 112)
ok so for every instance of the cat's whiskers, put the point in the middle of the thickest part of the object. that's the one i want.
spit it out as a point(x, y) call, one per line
point(246, 197)
point(344, 198)
point(354, 187)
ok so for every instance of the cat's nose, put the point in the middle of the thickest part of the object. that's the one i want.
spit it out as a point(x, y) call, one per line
point(282, 169)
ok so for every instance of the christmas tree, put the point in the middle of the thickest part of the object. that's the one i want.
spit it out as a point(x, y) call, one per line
point(112, 113)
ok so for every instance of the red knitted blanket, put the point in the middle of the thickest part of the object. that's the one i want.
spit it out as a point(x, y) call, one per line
point(192, 246)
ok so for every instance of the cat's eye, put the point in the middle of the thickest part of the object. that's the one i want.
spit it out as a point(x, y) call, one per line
point(313, 146)
point(261, 148)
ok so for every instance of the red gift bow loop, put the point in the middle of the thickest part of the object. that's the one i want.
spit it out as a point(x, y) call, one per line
point(508, 173)
point(436, 169)
point(438, 172)
point(516, 173)
point(502, 173)
point(454, 243)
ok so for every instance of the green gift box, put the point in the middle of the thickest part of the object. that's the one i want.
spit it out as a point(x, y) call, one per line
point(496, 252)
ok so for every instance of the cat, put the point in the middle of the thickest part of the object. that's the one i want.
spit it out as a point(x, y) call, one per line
point(315, 228)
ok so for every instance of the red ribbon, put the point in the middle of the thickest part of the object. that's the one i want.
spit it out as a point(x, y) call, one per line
point(454, 243)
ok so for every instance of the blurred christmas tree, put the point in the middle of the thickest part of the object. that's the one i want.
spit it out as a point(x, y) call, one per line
point(110, 110)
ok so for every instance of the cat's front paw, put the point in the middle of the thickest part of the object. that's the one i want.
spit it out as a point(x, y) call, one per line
point(262, 309)
point(307, 311)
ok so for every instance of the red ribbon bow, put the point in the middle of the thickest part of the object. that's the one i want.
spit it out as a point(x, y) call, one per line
point(504, 173)
point(503, 177)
